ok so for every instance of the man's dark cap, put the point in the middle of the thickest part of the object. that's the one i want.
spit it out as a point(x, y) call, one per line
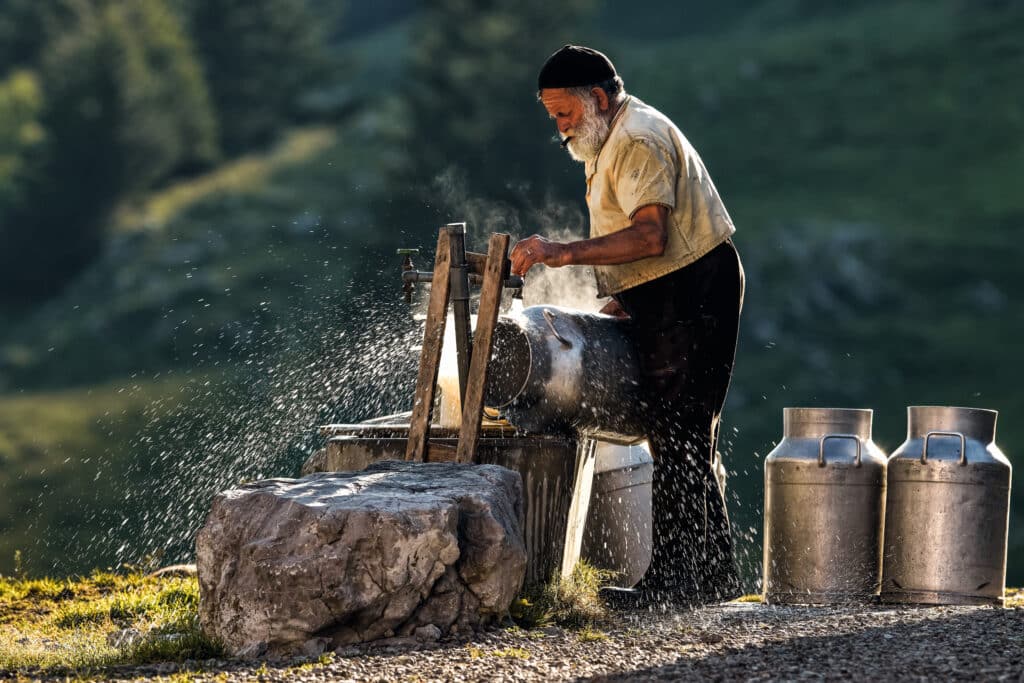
point(573, 66)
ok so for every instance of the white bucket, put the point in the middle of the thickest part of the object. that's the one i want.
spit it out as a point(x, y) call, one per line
point(618, 529)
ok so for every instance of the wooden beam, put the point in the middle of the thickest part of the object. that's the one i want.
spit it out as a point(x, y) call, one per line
point(483, 338)
point(442, 452)
point(430, 356)
point(582, 484)
point(460, 296)
point(477, 262)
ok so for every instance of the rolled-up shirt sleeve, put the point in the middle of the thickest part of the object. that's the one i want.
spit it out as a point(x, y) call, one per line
point(645, 174)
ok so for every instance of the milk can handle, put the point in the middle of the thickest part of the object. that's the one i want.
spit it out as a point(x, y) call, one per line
point(963, 445)
point(821, 447)
point(549, 318)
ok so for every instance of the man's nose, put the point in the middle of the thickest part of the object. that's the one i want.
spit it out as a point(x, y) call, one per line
point(564, 127)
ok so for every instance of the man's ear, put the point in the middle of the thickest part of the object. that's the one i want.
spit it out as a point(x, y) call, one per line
point(602, 98)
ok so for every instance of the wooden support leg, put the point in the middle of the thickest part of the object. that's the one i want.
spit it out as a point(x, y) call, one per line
point(459, 295)
point(586, 458)
point(483, 338)
point(430, 357)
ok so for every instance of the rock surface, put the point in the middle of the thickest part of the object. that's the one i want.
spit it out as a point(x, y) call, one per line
point(352, 557)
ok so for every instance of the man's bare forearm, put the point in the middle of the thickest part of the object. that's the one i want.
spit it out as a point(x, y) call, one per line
point(641, 240)
point(646, 237)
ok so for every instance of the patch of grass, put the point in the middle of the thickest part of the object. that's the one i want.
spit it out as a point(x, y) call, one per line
point(79, 614)
point(1014, 597)
point(63, 626)
point(323, 660)
point(588, 634)
point(750, 597)
point(571, 602)
point(512, 652)
point(34, 589)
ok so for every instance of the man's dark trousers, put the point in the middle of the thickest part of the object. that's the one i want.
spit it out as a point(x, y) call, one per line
point(685, 326)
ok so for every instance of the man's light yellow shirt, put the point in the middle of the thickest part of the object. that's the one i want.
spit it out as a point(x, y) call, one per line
point(647, 160)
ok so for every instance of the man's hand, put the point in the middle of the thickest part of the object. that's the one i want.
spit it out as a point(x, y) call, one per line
point(536, 249)
point(613, 308)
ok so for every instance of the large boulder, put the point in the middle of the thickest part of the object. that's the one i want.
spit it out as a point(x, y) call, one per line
point(290, 565)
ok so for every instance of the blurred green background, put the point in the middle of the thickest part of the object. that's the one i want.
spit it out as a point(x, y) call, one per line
point(200, 201)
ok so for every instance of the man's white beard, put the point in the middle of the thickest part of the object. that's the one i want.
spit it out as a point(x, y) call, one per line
point(588, 137)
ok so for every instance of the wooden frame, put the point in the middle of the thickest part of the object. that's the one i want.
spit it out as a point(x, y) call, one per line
point(483, 340)
point(430, 356)
point(477, 346)
point(494, 269)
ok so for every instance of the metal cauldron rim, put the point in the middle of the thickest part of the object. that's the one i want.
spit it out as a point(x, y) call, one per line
point(529, 350)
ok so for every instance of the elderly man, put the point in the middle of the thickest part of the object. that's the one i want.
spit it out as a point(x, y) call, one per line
point(661, 249)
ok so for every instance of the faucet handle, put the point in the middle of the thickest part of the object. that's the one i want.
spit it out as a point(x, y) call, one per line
point(408, 287)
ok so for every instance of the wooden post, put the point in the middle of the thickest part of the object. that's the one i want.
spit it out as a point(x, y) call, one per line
point(486, 320)
point(586, 458)
point(430, 357)
point(459, 294)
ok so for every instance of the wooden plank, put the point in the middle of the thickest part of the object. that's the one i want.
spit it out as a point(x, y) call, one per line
point(442, 452)
point(483, 338)
point(586, 458)
point(430, 357)
point(459, 296)
point(477, 262)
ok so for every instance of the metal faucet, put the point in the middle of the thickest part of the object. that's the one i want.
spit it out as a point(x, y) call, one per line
point(408, 284)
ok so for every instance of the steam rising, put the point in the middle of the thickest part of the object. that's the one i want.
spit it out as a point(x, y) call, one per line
point(571, 286)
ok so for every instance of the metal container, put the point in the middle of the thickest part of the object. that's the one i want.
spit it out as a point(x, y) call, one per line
point(947, 510)
point(546, 464)
point(824, 509)
point(618, 529)
point(562, 370)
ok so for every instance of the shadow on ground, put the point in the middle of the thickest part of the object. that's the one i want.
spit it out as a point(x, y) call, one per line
point(926, 644)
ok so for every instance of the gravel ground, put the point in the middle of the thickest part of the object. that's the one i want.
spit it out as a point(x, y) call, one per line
point(737, 641)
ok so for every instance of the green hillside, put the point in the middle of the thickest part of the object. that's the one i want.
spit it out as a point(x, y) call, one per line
point(870, 157)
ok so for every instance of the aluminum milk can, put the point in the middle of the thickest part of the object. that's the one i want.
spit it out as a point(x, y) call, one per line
point(947, 510)
point(824, 508)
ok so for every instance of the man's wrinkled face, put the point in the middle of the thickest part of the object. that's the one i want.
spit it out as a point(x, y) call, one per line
point(578, 120)
point(564, 108)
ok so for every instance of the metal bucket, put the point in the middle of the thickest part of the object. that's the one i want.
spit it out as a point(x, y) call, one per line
point(618, 529)
point(947, 510)
point(824, 509)
point(546, 464)
point(562, 370)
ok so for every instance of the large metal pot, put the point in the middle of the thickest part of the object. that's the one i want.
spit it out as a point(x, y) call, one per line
point(562, 370)
point(947, 510)
point(824, 508)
